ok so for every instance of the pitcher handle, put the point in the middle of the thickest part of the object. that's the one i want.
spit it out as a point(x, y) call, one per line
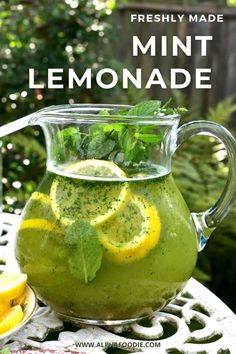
point(206, 222)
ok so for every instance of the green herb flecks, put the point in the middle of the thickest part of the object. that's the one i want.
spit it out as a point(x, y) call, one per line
point(86, 251)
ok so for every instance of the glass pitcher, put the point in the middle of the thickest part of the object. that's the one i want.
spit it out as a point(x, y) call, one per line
point(107, 238)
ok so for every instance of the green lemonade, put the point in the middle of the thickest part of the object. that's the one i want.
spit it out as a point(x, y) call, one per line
point(106, 250)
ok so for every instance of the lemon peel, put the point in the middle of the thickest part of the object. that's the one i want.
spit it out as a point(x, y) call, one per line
point(11, 318)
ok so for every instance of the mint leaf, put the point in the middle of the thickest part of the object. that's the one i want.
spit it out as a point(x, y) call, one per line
point(127, 138)
point(70, 137)
point(138, 153)
point(145, 108)
point(149, 138)
point(132, 148)
point(104, 112)
point(67, 143)
point(86, 253)
point(115, 127)
point(103, 141)
point(181, 110)
point(120, 112)
point(135, 141)
point(153, 108)
point(100, 146)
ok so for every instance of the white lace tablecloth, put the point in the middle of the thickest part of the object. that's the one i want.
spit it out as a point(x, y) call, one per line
point(195, 322)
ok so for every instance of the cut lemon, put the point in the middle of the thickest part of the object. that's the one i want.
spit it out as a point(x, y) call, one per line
point(39, 206)
point(36, 234)
point(97, 168)
point(11, 318)
point(133, 232)
point(41, 197)
point(4, 307)
point(11, 286)
point(36, 237)
point(90, 200)
point(39, 225)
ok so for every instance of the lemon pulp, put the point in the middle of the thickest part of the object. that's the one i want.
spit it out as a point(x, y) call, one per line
point(11, 286)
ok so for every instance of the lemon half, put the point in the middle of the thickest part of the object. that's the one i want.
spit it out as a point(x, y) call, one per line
point(4, 307)
point(92, 201)
point(133, 232)
point(12, 285)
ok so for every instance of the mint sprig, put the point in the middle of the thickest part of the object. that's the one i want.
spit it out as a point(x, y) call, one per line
point(86, 251)
point(67, 143)
point(145, 109)
point(154, 108)
point(131, 141)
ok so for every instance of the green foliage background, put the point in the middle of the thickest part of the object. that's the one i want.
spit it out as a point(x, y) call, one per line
point(42, 34)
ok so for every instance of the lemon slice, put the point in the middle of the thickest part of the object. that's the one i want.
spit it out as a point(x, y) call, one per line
point(32, 234)
point(11, 318)
point(93, 201)
point(36, 237)
point(39, 224)
point(39, 206)
point(41, 197)
point(97, 168)
point(132, 233)
point(12, 285)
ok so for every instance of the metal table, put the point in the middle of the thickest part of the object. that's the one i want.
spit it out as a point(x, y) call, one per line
point(195, 322)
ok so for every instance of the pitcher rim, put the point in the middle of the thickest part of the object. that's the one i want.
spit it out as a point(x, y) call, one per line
point(58, 113)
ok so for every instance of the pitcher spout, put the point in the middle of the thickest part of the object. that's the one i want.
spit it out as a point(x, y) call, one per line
point(109, 132)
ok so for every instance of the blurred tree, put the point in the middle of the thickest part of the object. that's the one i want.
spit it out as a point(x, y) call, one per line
point(44, 34)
